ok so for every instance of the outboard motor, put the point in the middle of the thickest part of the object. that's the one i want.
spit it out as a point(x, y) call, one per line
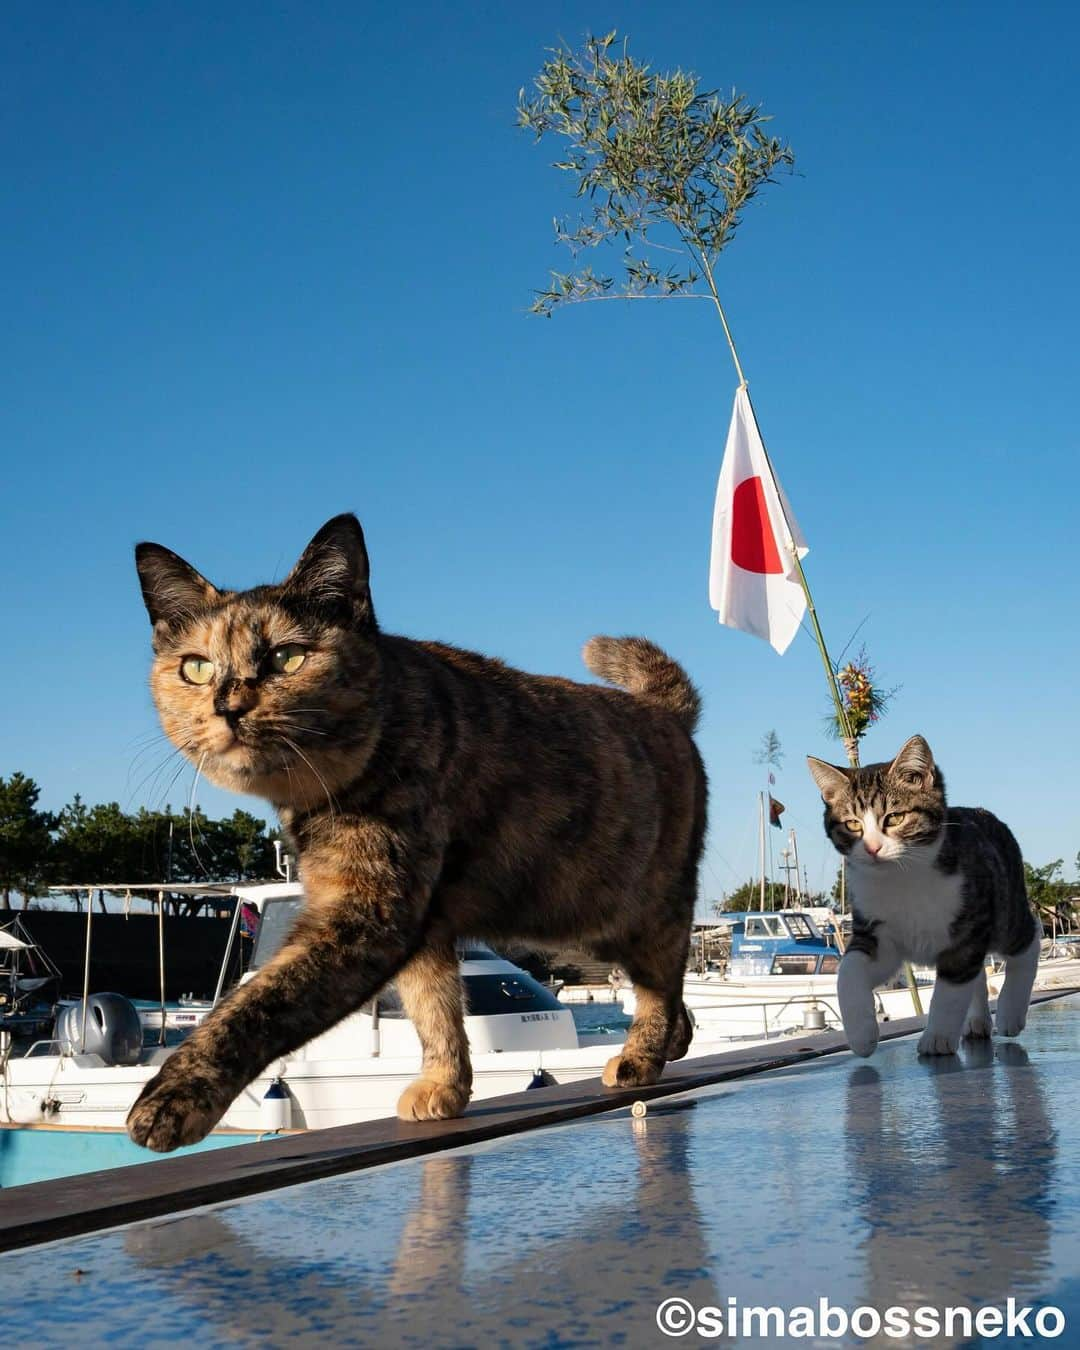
point(113, 1029)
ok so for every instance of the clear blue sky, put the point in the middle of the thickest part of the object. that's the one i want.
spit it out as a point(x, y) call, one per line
point(264, 263)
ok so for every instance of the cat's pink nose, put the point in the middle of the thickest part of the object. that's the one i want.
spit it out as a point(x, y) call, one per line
point(872, 848)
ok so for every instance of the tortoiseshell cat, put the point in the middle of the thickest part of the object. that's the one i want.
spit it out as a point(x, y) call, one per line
point(938, 884)
point(430, 794)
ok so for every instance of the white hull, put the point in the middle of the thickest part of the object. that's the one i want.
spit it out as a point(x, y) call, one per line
point(334, 1089)
point(761, 1008)
point(62, 1091)
point(588, 993)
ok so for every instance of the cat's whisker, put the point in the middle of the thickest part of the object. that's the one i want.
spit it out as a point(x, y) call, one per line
point(191, 814)
point(151, 775)
point(162, 798)
point(331, 801)
point(151, 745)
point(274, 723)
point(155, 800)
point(146, 746)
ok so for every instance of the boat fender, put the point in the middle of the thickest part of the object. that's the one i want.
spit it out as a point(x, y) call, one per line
point(275, 1109)
point(26, 1111)
point(541, 1078)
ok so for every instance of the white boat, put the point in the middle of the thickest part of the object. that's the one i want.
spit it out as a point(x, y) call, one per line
point(520, 1036)
point(780, 980)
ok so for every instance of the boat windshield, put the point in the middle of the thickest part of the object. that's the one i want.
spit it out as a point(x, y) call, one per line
point(799, 926)
point(764, 925)
point(279, 915)
point(277, 918)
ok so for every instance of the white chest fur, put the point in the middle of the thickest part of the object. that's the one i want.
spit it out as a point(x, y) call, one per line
point(915, 904)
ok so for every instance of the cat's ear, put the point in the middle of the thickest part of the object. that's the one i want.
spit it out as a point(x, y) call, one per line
point(171, 587)
point(333, 569)
point(914, 764)
point(831, 781)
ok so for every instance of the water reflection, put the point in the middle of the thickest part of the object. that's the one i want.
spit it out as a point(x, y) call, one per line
point(954, 1180)
point(471, 1250)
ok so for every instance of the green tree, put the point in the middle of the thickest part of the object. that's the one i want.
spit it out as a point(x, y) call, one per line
point(241, 847)
point(747, 896)
point(25, 839)
point(769, 752)
point(647, 152)
point(84, 845)
point(1049, 893)
point(97, 843)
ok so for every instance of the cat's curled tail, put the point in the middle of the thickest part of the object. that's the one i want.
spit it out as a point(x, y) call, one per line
point(642, 669)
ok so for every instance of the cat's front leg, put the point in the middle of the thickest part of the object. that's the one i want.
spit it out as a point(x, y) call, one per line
point(430, 989)
point(1020, 971)
point(868, 962)
point(956, 986)
point(977, 1025)
point(353, 936)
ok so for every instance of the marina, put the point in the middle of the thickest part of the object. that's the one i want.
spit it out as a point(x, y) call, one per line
point(86, 1074)
point(79, 1077)
point(386, 1234)
point(539, 835)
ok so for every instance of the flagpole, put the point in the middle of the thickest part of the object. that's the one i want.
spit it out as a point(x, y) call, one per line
point(772, 861)
point(851, 744)
point(850, 740)
point(761, 844)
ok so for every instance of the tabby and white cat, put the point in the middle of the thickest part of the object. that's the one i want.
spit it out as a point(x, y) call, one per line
point(942, 885)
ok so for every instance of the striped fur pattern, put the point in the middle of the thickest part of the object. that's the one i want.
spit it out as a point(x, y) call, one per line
point(930, 883)
point(430, 794)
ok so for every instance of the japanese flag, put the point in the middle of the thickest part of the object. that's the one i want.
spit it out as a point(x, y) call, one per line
point(753, 581)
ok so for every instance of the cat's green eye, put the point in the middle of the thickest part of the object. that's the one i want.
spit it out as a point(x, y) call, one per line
point(196, 670)
point(895, 818)
point(288, 659)
point(855, 826)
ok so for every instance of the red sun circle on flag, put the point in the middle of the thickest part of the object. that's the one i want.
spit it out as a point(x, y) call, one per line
point(753, 546)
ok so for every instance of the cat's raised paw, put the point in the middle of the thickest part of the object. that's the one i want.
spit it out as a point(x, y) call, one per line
point(938, 1043)
point(164, 1118)
point(428, 1100)
point(862, 1040)
point(622, 1071)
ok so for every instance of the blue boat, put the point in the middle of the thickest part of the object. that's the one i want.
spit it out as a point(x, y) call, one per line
point(784, 942)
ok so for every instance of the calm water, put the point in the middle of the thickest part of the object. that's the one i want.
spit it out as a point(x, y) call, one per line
point(600, 1017)
point(891, 1183)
